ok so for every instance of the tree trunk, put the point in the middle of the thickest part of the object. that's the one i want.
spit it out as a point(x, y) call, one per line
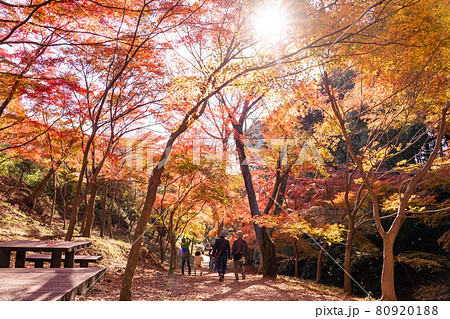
point(249, 261)
point(319, 263)
point(54, 201)
point(348, 259)
point(90, 211)
point(154, 182)
point(268, 255)
point(64, 217)
point(85, 210)
point(387, 275)
point(162, 249)
point(77, 200)
point(110, 226)
point(296, 258)
point(105, 196)
point(173, 249)
point(280, 197)
point(173, 255)
point(63, 192)
point(141, 225)
point(22, 172)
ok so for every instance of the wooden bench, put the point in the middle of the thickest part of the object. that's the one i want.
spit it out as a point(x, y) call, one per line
point(82, 260)
point(22, 284)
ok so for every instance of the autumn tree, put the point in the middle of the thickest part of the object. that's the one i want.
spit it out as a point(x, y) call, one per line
point(127, 72)
point(408, 93)
point(370, 162)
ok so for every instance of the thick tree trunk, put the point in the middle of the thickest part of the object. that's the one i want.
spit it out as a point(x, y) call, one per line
point(348, 259)
point(319, 262)
point(173, 256)
point(387, 275)
point(268, 255)
point(90, 212)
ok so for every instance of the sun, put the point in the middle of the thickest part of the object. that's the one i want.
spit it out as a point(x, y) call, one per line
point(270, 23)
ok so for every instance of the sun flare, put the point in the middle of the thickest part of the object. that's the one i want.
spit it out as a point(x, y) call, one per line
point(270, 23)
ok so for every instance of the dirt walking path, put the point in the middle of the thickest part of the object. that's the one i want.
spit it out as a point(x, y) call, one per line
point(155, 284)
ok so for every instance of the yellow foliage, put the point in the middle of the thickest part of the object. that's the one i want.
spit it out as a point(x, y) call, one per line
point(295, 227)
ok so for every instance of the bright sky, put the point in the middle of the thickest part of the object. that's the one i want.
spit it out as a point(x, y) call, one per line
point(270, 22)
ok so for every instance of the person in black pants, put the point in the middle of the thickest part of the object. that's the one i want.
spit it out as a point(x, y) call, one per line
point(185, 255)
point(222, 247)
point(212, 262)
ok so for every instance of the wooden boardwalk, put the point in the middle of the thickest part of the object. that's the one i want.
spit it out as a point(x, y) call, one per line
point(22, 284)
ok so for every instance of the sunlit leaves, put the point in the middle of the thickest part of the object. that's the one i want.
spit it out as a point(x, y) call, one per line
point(295, 226)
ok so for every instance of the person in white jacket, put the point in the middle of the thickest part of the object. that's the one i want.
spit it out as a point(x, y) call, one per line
point(198, 259)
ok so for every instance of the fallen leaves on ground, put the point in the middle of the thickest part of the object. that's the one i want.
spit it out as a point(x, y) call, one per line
point(156, 284)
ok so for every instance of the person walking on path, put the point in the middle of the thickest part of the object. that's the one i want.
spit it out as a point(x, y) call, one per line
point(198, 259)
point(222, 249)
point(239, 251)
point(185, 256)
point(212, 262)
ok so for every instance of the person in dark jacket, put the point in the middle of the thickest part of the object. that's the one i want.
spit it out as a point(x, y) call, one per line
point(222, 246)
point(239, 251)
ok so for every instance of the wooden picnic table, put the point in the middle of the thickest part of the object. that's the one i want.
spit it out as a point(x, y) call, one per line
point(47, 283)
point(55, 247)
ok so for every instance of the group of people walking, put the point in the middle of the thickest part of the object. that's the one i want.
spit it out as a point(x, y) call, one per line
point(186, 259)
point(221, 253)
